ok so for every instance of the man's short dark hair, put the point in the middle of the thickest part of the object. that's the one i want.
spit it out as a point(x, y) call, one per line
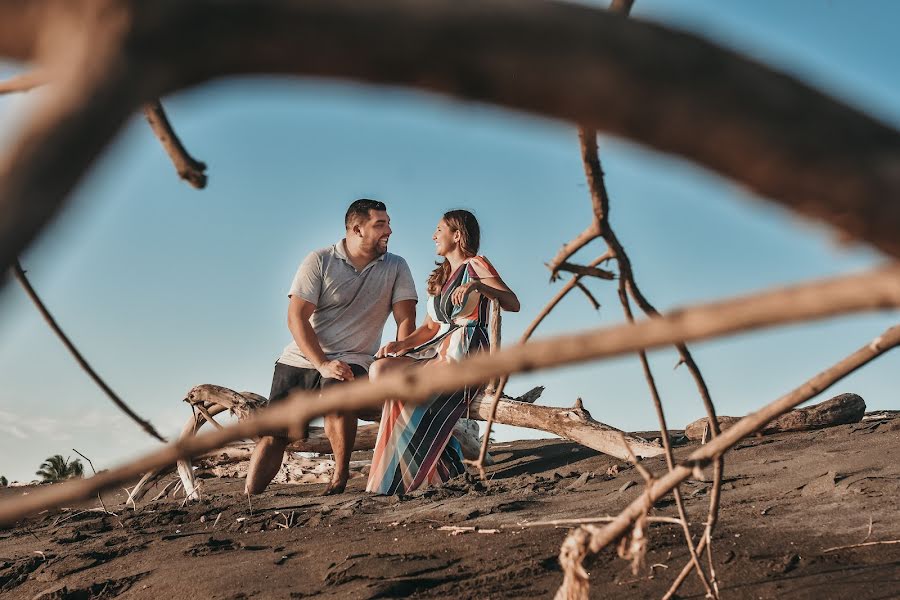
point(358, 212)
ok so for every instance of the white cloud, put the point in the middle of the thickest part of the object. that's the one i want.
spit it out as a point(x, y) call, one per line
point(13, 430)
point(62, 427)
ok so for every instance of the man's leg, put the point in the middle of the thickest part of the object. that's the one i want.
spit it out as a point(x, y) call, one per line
point(265, 461)
point(267, 456)
point(340, 428)
point(341, 431)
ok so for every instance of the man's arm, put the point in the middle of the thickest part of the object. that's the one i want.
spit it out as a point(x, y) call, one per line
point(405, 316)
point(299, 313)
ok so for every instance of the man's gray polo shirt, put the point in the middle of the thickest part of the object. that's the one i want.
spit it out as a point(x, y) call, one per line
point(351, 306)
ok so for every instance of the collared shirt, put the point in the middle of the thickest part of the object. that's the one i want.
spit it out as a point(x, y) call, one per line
point(351, 306)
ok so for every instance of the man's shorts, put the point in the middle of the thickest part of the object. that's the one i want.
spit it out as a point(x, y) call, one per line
point(286, 379)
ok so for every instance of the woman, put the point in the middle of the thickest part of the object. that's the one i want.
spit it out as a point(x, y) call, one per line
point(414, 443)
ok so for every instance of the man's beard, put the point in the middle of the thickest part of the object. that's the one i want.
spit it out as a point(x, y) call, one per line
point(380, 247)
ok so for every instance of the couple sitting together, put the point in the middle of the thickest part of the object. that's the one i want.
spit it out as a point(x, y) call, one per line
point(340, 300)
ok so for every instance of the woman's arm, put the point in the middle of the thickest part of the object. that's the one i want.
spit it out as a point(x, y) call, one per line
point(427, 330)
point(493, 288)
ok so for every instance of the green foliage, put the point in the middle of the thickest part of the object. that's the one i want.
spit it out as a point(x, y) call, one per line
point(3, 481)
point(57, 468)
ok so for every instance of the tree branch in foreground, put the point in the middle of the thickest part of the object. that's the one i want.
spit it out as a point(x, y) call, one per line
point(869, 291)
point(777, 136)
point(593, 539)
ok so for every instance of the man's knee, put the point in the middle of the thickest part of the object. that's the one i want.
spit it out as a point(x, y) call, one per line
point(272, 443)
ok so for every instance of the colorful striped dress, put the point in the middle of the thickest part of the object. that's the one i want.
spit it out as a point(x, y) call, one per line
point(415, 443)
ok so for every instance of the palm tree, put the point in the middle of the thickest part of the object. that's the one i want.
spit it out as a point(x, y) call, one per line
point(3, 481)
point(57, 468)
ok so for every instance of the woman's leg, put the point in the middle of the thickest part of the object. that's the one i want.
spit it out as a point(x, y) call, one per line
point(388, 365)
point(413, 440)
point(382, 457)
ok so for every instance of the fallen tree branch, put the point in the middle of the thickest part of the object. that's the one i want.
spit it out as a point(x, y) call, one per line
point(869, 291)
point(840, 410)
point(20, 276)
point(573, 423)
point(592, 539)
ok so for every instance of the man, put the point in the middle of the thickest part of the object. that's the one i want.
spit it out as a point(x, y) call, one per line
point(340, 300)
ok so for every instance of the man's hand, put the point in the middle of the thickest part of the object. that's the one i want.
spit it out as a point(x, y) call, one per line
point(459, 294)
point(392, 348)
point(335, 369)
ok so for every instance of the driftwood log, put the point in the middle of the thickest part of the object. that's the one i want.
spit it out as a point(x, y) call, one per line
point(573, 423)
point(840, 410)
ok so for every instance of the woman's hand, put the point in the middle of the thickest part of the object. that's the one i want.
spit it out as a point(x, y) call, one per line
point(459, 294)
point(393, 348)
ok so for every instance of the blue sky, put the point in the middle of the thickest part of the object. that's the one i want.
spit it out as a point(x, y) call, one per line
point(164, 287)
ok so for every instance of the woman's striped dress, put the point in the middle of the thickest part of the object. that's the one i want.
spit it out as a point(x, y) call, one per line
point(415, 443)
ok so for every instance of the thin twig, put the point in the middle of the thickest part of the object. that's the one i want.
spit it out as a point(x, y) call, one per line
point(99, 497)
point(863, 544)
point(586, 271)
point(585, 520)
point(569, 248)
point(570, 285)
point(19, 274)
point(869, 533)
point(588, 294)
point(165, 490)
point(190, 169)
point(666, 442)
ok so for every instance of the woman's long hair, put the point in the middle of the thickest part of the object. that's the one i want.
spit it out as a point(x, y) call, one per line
point(469, 239)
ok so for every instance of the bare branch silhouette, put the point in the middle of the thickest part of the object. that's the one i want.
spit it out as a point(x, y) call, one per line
point(19, 274)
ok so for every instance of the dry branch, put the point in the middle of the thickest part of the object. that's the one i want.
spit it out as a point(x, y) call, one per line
point(593, 539)
point(840, 410)
point(190, 169)
point(869, 291)
point(573, 423)
point(19, 274)
point(777, 136)
point(664, 434)
point(585, 270)
point(571, 247)
point(570, 285)
point(600, 204)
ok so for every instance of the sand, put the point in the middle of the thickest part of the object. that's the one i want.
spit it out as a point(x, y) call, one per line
point(787, 498)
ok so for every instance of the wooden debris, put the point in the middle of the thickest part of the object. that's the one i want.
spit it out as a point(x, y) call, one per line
point(840, 410)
